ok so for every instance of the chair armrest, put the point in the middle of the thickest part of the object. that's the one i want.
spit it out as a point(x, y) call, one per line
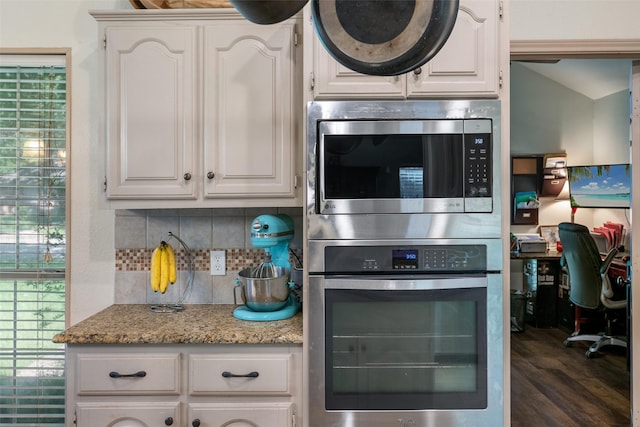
point(607, 289)
point(612, 304)
point(606, 263)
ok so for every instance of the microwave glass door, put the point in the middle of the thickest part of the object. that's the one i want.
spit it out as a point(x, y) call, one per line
point(393, 166)
point(405, 349)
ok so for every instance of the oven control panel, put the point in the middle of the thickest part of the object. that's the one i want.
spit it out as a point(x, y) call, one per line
point(408, 259)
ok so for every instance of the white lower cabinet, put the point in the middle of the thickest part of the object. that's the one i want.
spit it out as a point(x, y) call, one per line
point(240, 415)
point(128, 414)
point(184, 385)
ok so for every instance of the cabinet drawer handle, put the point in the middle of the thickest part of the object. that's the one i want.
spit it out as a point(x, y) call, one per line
point(139, 374)
point(168, 421)
point(196, 423)
point(228, 374)
point(211, 175)
point(187, 176)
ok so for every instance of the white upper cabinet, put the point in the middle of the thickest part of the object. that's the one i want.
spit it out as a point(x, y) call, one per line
point(249, 113)
point(466, 66)
point(468, 62)
point(202, 110)
point(150, 90)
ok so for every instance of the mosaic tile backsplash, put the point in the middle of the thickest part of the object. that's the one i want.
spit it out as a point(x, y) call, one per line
point(140, 259)
point(138, 232)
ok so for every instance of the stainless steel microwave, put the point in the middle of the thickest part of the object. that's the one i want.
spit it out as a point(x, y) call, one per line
point(411, 165)
point(407, 165)
point(403, 167)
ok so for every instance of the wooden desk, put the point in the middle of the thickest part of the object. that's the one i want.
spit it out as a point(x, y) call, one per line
point(548, 305)
point(541, 272)
point(536, 255)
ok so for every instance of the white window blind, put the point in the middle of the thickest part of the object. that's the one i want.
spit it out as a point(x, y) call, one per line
point(33, 135)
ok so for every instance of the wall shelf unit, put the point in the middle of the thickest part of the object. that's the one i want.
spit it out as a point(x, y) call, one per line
point(534, 176)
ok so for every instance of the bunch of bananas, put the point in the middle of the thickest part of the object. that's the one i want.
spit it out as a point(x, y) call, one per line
point(163, 267)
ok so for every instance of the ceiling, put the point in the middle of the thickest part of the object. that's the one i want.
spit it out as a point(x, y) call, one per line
point(594, 78)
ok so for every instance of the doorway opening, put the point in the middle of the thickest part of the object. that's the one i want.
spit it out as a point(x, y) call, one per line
point(542, 54)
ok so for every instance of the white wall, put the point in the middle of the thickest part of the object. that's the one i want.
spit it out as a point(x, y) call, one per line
point(547, 117)
point(611, 137)
point(611, 131)
point(578, 20)
point(67, 24)
point(574, 19)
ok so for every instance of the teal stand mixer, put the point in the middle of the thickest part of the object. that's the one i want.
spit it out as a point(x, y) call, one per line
point(266, 289)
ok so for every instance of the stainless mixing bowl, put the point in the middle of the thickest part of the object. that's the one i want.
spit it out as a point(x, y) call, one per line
point(264, 294)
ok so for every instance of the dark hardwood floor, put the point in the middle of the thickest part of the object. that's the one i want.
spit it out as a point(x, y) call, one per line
point(553, 385)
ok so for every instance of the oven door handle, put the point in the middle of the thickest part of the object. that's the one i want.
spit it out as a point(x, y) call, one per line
point(404, 283)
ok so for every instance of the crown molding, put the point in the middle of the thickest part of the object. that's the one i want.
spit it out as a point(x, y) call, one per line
point(552, 49)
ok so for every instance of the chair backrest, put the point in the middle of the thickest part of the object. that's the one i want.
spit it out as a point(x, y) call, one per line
point(583, 261)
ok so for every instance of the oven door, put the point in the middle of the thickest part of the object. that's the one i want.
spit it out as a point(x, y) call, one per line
point(412, 348)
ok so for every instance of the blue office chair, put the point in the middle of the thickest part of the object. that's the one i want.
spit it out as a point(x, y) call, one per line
point(590, 287)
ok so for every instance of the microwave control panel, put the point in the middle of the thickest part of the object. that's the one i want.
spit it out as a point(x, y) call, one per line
point(477, 149)
point(406, 259)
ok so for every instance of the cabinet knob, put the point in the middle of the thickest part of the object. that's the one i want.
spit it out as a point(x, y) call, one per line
point(195, 423)
point(211, 175)
point(168, 421)
point(187, 176)
point(417, 71)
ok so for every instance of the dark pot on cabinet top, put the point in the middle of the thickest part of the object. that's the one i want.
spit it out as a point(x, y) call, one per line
point(268, 11)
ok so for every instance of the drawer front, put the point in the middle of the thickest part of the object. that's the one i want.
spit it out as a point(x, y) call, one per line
point(128, 374)
point(240, 374)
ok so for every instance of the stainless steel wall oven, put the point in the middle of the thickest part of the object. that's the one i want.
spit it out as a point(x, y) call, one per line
point(404, 292)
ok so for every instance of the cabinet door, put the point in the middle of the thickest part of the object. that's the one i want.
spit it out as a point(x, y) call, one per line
point(468, 62)
point(332, 80)
point(151, 106)
point(250, 110)
point(467, 65)
point(127, 414)
point(247, 414)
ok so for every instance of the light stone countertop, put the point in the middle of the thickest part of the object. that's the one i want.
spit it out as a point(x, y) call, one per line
point(196, 324)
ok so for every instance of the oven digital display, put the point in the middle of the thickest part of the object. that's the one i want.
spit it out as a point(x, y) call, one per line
point(404, 259)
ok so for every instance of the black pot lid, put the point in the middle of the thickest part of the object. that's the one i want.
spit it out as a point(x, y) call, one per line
point(384, 37)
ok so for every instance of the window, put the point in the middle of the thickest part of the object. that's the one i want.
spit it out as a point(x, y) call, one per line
point(33, 147)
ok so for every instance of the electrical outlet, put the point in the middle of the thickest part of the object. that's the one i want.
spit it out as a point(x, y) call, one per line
point(218, 263)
